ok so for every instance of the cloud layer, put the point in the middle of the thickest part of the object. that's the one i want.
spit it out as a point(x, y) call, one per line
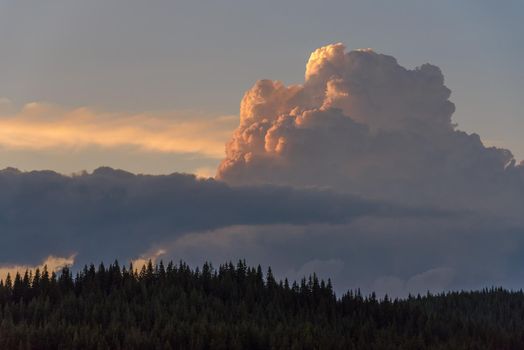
point(363, 124)
point(114, 214)
point(386, 255)
point(358, 243)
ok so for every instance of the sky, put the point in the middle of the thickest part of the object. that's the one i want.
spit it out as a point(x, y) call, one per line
point(376, 143)
point(193, 60)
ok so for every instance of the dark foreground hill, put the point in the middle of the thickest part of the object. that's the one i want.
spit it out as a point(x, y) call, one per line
point(238, 307)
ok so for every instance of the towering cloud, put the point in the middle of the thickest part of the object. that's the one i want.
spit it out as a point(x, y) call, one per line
point(361, 123)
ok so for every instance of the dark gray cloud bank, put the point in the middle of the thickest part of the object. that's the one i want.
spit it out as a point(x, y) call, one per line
point(358, 174)
point(362, 243)
point(112, 213)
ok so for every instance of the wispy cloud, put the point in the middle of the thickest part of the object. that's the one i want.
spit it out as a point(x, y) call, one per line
point(41, 126)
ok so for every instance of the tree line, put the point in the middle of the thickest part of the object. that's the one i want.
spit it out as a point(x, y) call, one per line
point(239, 307)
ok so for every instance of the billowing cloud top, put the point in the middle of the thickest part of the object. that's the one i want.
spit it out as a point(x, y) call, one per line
point(362, 123)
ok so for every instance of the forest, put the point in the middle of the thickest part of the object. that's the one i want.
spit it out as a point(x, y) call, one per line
point(236, 306)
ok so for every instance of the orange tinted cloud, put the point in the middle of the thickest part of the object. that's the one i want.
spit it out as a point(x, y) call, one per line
point(144, 259)
point(53, 263)
point(40, 126)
